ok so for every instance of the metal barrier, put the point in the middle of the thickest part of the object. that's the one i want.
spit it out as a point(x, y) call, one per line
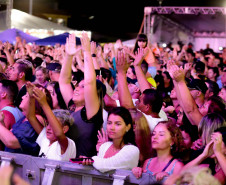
point(40, 171)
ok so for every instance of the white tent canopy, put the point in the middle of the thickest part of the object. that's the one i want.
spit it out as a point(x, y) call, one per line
point(34, 25)
point(22, 20)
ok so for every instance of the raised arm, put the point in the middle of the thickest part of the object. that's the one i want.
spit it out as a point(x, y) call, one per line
point(125, 98)
point(30, 114)
point(92, 103)
point(52, 120)
point(8, 54)
point(141, 78)
point(65, 73)
point(100, 58)
point(94, 55)
point(198, 160)
point(183, 94)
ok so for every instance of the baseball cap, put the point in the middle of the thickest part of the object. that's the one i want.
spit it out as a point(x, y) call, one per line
point(197, 84)
point(53, 67)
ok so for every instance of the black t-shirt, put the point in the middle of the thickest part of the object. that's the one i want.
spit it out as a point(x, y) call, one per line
point(84, 132)
point(21, 93)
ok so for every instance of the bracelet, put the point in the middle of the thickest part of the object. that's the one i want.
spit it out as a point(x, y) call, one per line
point(93, 55)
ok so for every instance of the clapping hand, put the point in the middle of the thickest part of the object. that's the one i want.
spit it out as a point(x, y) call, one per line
point(208, 150)
point(30, 86)
point(40, 96)
point(176, 73)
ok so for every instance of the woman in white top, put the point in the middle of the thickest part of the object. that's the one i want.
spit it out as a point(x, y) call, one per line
point(120, 151)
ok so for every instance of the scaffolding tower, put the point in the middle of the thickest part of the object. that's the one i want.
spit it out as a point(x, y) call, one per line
point(150, 14)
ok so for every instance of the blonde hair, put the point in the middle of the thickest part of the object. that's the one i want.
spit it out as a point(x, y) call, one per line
point(197, 175)
point(208, 124)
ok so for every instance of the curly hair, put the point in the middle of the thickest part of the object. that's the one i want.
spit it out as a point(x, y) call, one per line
point(178, 143)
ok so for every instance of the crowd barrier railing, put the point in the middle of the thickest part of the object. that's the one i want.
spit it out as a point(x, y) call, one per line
point(40, 171)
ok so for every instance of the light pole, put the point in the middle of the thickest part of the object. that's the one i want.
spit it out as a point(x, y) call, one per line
point(30, 6)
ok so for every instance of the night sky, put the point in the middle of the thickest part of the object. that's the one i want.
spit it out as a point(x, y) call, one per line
point(110, 19)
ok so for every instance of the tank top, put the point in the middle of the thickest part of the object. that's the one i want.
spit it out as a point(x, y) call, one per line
point(169, 172)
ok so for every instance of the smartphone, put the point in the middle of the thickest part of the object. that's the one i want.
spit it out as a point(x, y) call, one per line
point(79, 160)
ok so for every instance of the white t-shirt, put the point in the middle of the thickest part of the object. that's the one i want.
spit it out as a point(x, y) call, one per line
point(152, 122)
point(127, 158)
point(53, 151)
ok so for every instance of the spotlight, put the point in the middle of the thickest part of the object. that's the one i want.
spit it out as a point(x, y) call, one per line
point(164, 45)
point(220, 48)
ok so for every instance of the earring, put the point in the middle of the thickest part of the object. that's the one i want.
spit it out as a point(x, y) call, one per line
point(171, 147)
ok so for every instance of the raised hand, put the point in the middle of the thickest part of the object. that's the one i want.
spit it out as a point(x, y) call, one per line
point(40, 96)
point(99, 51)
point(102, 138)
point(121, 62)
point(139, 56)
point(70, 46)
point(175, 72)
point(106, 49)
point(30, 86)
point(187, 67)
point(208, 150)
point(86, 46)
point(184, 48)
point(216, 137)
point(93, 47)
point(197, 144)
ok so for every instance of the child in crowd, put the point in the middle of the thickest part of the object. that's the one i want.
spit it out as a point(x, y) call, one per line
point(52, 140)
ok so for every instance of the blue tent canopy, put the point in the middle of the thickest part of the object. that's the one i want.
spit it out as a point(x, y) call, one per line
point(56, 39)
point(11, 34)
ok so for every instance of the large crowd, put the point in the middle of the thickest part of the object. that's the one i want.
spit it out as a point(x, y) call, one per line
point(148, 109)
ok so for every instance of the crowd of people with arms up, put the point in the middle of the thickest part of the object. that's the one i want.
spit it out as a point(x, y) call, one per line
point(147, 109)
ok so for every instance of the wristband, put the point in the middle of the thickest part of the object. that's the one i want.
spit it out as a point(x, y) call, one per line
point(93, 55)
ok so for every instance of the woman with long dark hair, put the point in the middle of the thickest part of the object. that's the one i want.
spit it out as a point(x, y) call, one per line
point(87, 98)
point(120, 151)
